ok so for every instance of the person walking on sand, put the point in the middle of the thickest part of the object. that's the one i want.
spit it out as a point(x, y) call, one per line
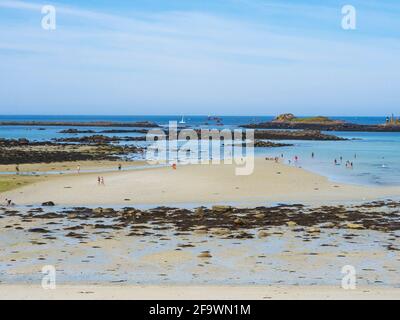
point(17, 169)
point(120, 167)
point(78, 169)
point(98, 180)
point(174, 166)
point(102, 181)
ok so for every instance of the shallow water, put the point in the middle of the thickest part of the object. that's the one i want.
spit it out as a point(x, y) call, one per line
point(375, 156)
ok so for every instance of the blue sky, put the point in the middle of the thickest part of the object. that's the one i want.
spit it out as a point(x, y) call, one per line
point(237, 57)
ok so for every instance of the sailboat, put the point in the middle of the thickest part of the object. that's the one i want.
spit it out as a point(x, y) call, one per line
point(182, 121)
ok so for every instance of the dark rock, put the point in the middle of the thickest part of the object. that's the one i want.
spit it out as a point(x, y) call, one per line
point(294, 135)
point(269, 144)
point(99, 139)
point(39, 230)
point(48, 204)
point(75, 131)
point(289, 121)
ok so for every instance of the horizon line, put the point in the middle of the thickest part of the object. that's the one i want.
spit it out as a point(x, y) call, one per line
point(185, 115)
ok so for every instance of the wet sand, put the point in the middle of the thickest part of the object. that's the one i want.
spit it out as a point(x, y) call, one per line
point(31, 173)
point(146, 248)
point(140, 259)
point(200, 184)
point(70, 166)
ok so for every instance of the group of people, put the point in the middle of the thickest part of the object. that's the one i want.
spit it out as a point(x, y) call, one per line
point(296, 159)
point(349, 164)
point(100, 180)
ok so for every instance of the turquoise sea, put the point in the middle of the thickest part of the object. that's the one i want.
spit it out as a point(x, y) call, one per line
point(375, 156)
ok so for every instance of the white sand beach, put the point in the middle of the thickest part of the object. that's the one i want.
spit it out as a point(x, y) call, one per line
point(286, 256)
point(197, 184)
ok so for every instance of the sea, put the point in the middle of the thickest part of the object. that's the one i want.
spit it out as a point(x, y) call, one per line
point(375, 155)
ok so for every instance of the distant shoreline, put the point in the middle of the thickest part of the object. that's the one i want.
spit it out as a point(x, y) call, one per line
point(140, 124)
point(284, 125)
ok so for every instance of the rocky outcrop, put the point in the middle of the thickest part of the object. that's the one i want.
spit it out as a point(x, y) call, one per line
point(140, 124)
point(227, 222)
point(285, 117)
point(22, 143)
point(99, 139)
point(48, 204)
point(324, 126)
point(23, 151)
point(270, 144)
point(144, 131)
point(291, 118)
point(76, 131)
point(22, 157)
point(294, 135)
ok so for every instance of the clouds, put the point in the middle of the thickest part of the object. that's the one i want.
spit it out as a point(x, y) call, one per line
point(133, 60)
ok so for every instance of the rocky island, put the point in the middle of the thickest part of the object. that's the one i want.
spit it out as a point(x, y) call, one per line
point(289, 121)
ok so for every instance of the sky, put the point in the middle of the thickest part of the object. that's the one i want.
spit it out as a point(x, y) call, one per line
point(223, 57)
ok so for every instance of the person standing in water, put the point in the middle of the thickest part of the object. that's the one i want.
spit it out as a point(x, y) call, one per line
point(312, 155)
